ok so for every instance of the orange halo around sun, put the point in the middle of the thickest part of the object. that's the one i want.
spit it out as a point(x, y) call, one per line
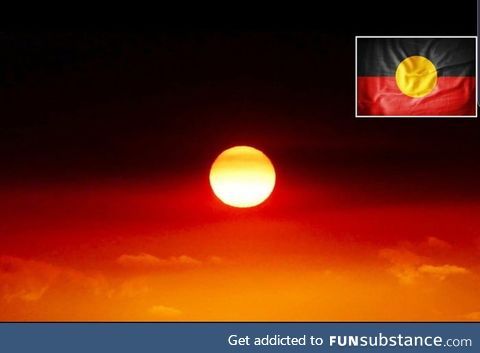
point(242, 176)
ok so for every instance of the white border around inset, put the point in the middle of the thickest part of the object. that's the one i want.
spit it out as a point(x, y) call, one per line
point(417, 116)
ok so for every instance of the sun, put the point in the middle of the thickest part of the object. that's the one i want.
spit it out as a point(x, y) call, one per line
point(242, 176)
point(416, 76)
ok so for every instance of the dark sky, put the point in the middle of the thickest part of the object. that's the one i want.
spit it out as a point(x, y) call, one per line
point(163, 102)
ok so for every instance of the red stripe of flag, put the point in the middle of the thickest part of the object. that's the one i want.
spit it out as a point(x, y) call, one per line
point(380, 95)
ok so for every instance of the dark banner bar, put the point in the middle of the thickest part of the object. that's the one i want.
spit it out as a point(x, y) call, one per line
point(239, 337)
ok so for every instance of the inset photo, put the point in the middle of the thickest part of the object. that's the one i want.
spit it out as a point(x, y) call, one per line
point(416, 76)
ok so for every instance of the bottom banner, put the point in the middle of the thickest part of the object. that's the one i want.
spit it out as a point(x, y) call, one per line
point(239, 337)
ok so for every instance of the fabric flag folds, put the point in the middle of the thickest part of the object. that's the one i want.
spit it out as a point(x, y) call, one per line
point(416, 76)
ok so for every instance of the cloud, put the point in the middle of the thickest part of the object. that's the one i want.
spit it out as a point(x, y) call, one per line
point(29, 280)
point(183, 260)
point(25, 280)
point(141, 259)
point(29, 293)
point(148, 260)
point(441, 272)
point(401, 256)
point(437, 243)
point(164, 311)
point(408, 266)
point(404, 264)
point(473, 316)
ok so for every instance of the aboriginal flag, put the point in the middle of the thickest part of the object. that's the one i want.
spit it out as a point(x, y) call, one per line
point(416, 76)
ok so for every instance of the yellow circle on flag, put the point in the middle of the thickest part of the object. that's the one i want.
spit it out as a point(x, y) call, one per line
point(416, 76)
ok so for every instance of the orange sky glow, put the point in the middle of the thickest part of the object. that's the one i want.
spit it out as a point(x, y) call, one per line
point(156, 253)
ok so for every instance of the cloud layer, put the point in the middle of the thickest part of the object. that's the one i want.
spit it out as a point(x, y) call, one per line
point(410, 265)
